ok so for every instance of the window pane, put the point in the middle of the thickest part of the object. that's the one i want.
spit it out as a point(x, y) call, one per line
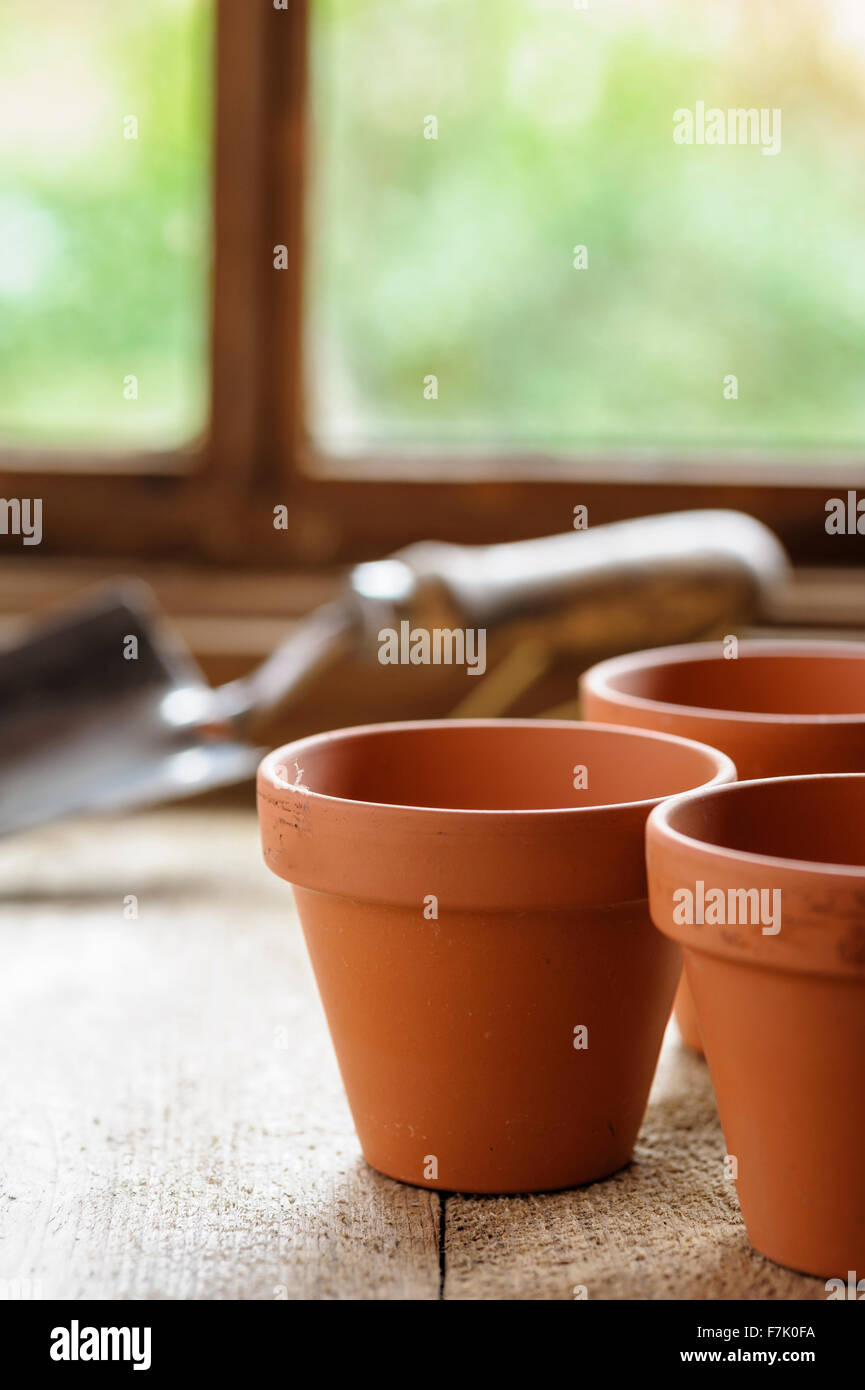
point(104, 222)
point(454, 257)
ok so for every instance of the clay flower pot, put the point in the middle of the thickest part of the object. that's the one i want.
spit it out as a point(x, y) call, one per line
point(479, 931)
point(776, 708)
point(776, 870)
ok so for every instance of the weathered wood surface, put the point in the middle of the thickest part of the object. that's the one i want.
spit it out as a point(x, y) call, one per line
point(171, 1118)
point(666, 1227)
point(172, 1123)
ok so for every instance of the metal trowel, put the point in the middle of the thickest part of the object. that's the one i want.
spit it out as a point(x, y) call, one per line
point(102, 708)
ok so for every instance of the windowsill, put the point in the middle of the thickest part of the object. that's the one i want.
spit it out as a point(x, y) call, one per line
point(242, 610)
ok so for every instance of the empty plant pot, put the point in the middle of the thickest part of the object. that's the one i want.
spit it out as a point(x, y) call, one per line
point(763, 886)
point(473, 898)
point(775, 707)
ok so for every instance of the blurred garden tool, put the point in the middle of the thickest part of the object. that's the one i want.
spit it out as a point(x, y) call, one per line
point(103, 707)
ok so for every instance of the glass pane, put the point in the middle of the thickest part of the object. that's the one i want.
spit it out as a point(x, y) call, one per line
point(104, 222)
point(463, 151)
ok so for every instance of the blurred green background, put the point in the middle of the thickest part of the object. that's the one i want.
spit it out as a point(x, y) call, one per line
point(104, 241)
point(452, 257)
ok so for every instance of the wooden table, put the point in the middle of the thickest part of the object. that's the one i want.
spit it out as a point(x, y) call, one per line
point(173, 1124)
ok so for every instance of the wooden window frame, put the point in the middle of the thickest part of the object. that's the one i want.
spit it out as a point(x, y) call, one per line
point(213, 503)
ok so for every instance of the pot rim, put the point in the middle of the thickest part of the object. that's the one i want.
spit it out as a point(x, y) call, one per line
point(271, 784)
point(519, 860)
point(597, 678)
point(659, 828)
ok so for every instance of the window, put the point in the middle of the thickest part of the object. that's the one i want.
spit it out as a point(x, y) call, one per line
point(105, 223)
point(504, 202)
point(394, 335)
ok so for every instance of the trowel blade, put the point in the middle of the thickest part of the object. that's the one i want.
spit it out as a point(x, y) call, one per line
point(116, 756)
point(106, 709)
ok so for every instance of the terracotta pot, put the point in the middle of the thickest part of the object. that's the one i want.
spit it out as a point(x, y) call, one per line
point(781, 1000)
point(778, 708)
point(468, 913)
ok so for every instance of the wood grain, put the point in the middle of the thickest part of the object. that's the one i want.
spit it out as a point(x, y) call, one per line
point(172, 1123)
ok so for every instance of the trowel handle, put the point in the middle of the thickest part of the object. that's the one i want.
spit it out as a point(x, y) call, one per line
point(494, 582)
point(595, 570)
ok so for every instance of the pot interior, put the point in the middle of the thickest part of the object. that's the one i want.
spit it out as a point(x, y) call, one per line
point(501, 766)
point(815, 819)
point(800, 683)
